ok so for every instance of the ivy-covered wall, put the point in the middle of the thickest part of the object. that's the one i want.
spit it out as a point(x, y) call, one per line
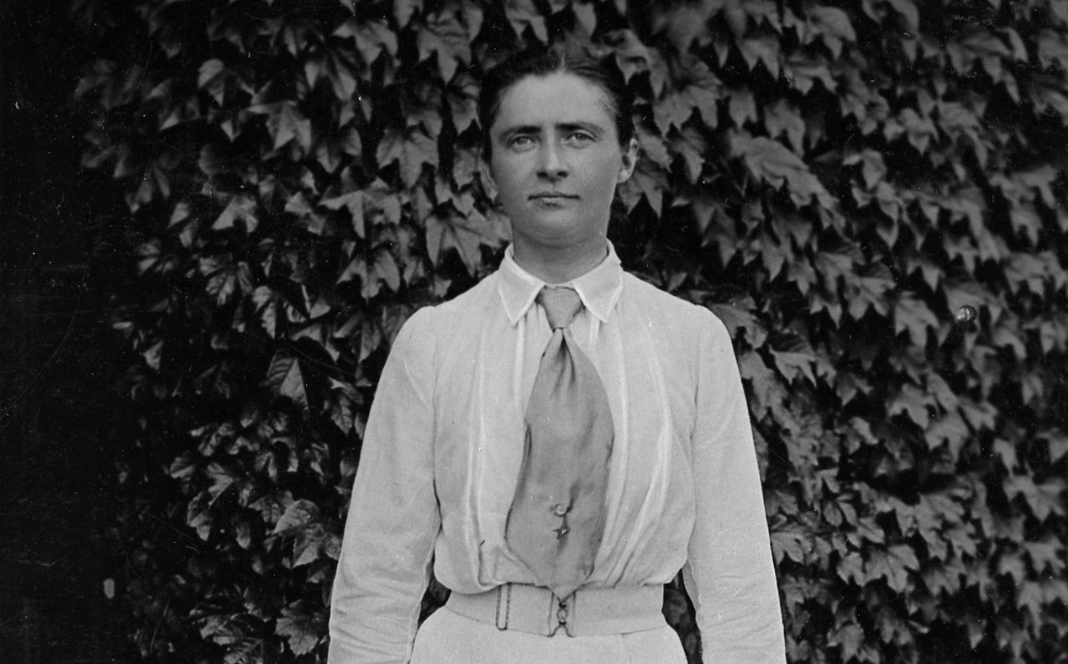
point(838, 180)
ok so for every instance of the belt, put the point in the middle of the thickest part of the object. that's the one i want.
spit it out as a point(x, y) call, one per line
point(585, 612)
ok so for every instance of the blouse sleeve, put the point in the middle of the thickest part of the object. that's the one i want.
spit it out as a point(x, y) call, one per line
point(393, 517)
point(729, 574)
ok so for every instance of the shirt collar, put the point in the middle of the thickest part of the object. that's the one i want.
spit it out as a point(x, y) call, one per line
point(598, 289)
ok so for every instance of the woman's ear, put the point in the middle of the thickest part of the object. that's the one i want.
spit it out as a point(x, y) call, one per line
point(630, 160)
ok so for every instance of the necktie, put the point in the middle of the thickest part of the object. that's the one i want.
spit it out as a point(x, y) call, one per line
point(557, 516)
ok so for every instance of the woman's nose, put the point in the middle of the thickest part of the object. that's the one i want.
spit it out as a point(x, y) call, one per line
point(551, 163)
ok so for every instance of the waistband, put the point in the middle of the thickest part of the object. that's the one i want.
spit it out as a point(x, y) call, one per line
point(585, 612)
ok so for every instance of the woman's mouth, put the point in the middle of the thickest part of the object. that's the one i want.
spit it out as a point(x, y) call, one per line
point(551, 196)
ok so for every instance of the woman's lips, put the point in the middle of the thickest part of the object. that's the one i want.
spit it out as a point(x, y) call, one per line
point(551, 196)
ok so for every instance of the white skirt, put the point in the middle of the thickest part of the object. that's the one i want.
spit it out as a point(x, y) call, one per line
point(450, 638)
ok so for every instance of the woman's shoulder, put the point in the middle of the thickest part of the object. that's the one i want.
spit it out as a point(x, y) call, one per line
point(465, 306)
point(659, 306)
point(441, 320)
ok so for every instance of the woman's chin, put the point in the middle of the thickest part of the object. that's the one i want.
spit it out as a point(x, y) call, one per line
point(557, 226)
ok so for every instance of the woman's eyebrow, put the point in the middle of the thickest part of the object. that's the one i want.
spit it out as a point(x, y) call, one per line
point(564, 127)
point(519, 129)
point(591, 127)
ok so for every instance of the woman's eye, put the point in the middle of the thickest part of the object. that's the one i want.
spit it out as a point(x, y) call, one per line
point(579, 138)
point(521, 142)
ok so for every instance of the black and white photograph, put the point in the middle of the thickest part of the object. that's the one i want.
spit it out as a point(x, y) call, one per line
point(533, 331)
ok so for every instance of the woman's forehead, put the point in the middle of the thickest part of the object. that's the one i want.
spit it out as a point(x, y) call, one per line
point(558, 98)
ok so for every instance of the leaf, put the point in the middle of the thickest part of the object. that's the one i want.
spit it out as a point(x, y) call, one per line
point(873, 166)
point(913, 315)
point(701, 93)
point(464, 234)
point(892, 564)
point(410, 150)
point(354, 202)
point(198, 515)
point(870, 291)
point(1058, 445)
point(833, 26)
point(685, 24)
point(1043, 499)
point(850, 637)
point(763, 49)
point(767, 392)
point(648, 181)
point(223, 284)
point(691, 145)
point(585, 16)
point(782, 119)
point(444, 36)
point(342, 401)
point(912, 402)
point(381, 268)
point(742, 107)
point(240, 208)
point(908, 11)
point(424, 112)
point(1052, 49)
point(802, 73)
point(305, 551)
point(298, 515)
point(739, 317)
point(770, 160)
point(372, 37)
point(285, 123)
point(273, 506)
point(789, 541)
point(462, 103)
point(793, 364)
point(1025, 269)
point(244, 651)
point(222, 479)
point(1025, 218)
point(949, 429)
point(212, 78)
point(403, 10)
point(340, 69)
point(851, 568)
point(385, 268)
point(632, 56)
point(301, 629)
point(1046, 555)
point(963, 540)
point(264, 300)
point(523, 13)
point(918, 129)
point(1013, 566)
point(979, 415)
point(285, 378)
point(472, 16)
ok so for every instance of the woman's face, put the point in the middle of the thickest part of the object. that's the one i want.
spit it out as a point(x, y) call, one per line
point(556, 161)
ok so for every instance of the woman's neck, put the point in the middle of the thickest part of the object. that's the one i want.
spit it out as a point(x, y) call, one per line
point(558, 265)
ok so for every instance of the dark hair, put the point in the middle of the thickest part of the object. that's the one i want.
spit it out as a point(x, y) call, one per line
point(543, 61)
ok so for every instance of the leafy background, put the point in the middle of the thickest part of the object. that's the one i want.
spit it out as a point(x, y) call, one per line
point(835, 180)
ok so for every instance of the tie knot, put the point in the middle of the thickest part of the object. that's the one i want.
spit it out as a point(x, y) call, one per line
point(561, 303)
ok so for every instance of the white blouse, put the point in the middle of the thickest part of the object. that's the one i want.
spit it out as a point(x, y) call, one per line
point(444, 441)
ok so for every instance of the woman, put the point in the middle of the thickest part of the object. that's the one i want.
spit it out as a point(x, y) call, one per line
point(561, 439)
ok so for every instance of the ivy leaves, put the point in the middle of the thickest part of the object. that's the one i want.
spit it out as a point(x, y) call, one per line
point(835, 182)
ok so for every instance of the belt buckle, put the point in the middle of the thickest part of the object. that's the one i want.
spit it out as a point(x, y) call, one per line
point(564, 613)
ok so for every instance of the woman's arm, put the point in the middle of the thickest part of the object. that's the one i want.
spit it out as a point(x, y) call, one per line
point(393, 516)
point(729, 575)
